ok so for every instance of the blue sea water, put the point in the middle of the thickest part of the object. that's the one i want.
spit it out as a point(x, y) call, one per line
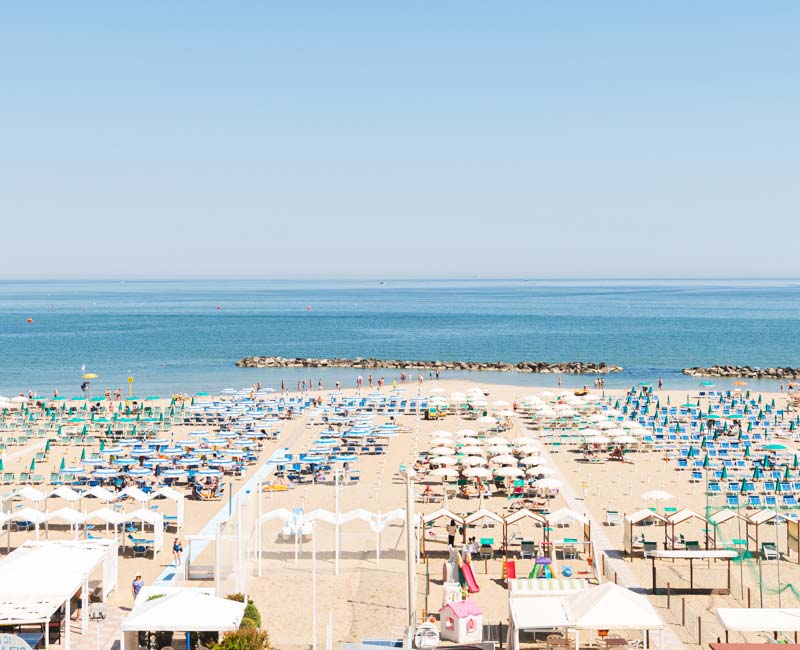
point(170, 335)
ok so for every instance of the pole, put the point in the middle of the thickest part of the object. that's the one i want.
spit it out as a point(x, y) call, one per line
point(411, 605)
point(336, 528)
point(314, 587)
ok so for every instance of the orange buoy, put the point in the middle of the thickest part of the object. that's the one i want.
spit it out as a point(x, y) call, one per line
point(308, 307)
point(29, 320)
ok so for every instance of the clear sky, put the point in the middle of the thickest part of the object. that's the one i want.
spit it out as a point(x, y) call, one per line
point(436, 139)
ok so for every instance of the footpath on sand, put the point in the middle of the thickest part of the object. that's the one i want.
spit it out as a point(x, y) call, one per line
point(210, 528)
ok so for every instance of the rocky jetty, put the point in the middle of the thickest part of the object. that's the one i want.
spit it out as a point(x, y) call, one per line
point(568, 367)
point(744, 372)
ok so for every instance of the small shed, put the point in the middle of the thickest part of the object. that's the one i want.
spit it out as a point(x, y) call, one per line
point(461, 622)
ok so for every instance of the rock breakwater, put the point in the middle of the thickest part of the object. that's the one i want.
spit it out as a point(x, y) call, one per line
point(744, 372)
point(567, 367)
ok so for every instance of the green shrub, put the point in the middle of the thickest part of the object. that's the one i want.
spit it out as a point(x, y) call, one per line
point(246, 638)
point(239, 598)
point(247, 622)
point(154, 596)
point(251, 612)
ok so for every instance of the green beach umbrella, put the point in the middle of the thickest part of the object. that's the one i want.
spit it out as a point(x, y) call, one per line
point(83, 453)
point(787, 474)
point(1, 464)
point(47, 445)
point(759, 398)
point(693, 453)
point(33, 464)
point(757, 473)
point(706, 384)
point(767, 462)
point(747, 451)
point(102, 445)
point(724, 474)
point(63, 464)
point(705, 462)
point(774, 447)
point(795, 463)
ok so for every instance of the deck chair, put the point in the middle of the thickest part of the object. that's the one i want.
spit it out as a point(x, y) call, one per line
point(527, 548)
point(769, 551)
point(648, 548)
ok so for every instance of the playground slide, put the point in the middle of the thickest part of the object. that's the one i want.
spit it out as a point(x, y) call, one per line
point(511, 569)
point(469, 578)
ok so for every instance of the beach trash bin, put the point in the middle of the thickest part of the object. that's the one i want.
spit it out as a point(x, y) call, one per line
point(461, 622)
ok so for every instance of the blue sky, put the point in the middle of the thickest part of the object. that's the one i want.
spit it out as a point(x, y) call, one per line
point(372, 139)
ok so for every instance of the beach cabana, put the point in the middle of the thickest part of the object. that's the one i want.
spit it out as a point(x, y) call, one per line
point(518, 517)
point(758, 519)
point(155, 520)
point(641, 518)
point(181, 610)
point(482, 515)
point(177, 498)
point(428, 519)
point(683, 516)
point(721, 517)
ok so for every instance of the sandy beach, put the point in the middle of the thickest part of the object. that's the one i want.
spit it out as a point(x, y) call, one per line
point(368, 597)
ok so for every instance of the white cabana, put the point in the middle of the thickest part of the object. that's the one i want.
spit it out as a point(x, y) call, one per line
point(639, 518)
point(67, 493)
point(178, 498)
point(155, 519)
point(180, 610)
point(101, 493)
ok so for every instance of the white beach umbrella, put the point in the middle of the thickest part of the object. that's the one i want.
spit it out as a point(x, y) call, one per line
point(500, 403)
point(473, 460)
point(496, 440)
point(497, 450)
point(440, 451)
point(545, 471)
point(472, 450)
point(606, 424)
point(466, 432)
point(532, 461)
point(548, 483)
point(444, 472)
point(505, 459)
point(626, 440)
point(467, 440)
point(443, 460)
point(486, 419)
point(657, 495)
point(438, 390)
point(598, 440)
point(477, 472)
point(441, 433)
point(508, 472)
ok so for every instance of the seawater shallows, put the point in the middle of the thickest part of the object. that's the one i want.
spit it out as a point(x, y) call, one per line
point(187, 335)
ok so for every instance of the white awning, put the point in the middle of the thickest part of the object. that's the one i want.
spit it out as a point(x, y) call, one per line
point(187, 610)
point(695, 555)
point(743, 619)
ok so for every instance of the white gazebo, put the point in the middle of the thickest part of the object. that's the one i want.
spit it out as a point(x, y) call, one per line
point(38, 579)
point(175, 609)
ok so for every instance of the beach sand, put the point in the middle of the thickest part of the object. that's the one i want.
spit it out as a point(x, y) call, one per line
point(368, 598)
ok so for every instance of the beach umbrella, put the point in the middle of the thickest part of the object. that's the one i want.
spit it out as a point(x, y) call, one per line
point(757, 473)
point(706, 384)
point(508, 472)
point(1, 464)
point(795, 462)
point(787, 474)
point(470, 461)
point(548, 483)
point(477, 472)
point(505, 459)
point(532, 461)
point(173, 473)
point(774, 446)
point(444, 472)
point(105, 473)
point(705, 462)
point(724, 474)
point(140, 471)
point(657, 495)
point(472, 450)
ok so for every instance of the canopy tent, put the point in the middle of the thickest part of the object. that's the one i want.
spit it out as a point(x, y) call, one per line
point(180, 610)
point(173, 495)
point(605, 607)
point(155, 519)
point(39, 578)
point(682, 516)
point(743, 619)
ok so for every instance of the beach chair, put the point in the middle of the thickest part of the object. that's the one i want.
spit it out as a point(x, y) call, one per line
point(754, 501)
point(527, 548)
point(648, 548)
point(486, 550)
point(769, 551)
point(790, 501)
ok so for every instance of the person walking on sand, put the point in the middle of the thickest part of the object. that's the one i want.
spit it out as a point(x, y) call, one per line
point(177, 550)
point(136, 585)
point(452, 529)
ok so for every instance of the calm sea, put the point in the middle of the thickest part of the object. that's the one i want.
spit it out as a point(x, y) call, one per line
point(172, 336)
